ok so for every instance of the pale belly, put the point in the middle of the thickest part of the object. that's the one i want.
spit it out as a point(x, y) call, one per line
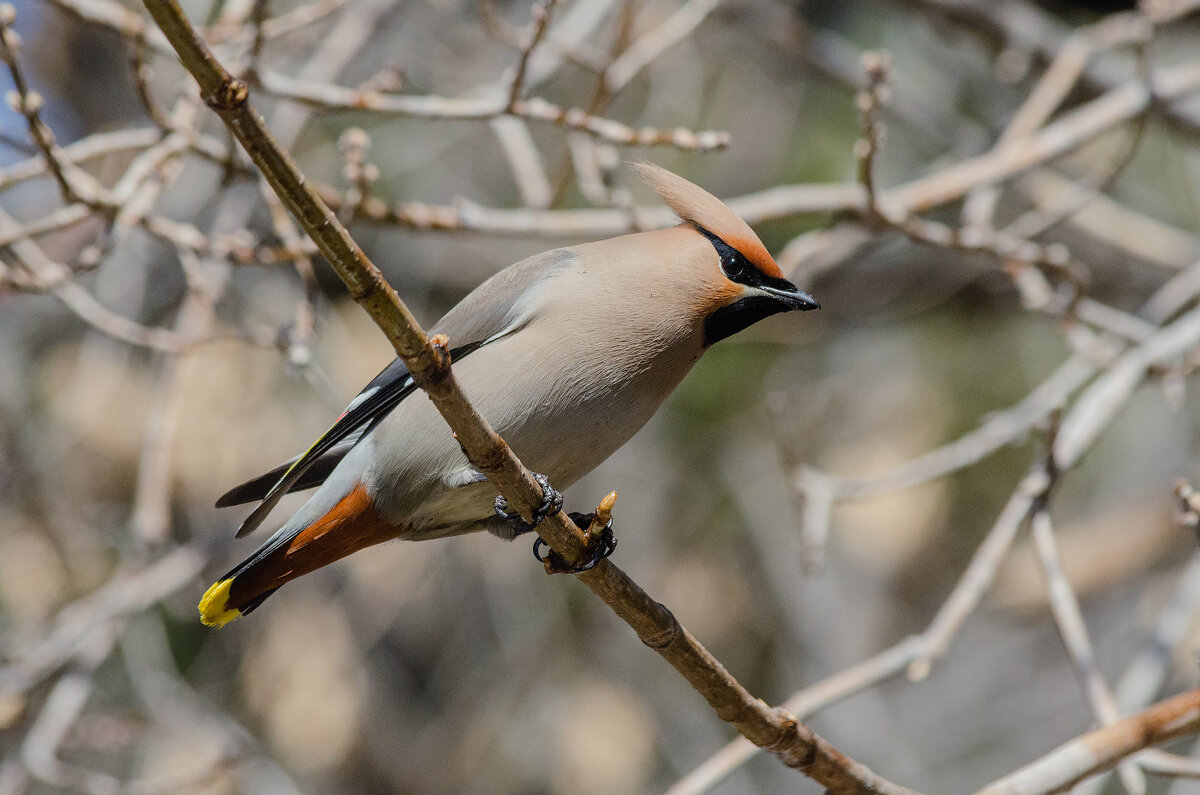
point(562, 428)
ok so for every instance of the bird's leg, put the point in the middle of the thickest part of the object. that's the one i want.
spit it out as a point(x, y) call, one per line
point(597, 526)
point(551, 502)
point(601, 544)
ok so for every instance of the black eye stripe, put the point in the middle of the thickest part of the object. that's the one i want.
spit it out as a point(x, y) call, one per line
point(739, 269)
point(732, 261)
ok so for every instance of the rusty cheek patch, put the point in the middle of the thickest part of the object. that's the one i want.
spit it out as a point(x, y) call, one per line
point(726, 292)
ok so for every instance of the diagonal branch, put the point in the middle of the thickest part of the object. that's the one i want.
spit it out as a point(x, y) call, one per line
point(1099, 750)
point(427, 359)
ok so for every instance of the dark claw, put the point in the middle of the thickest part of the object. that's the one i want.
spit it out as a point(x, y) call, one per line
point(601, 549)
point(551, 502)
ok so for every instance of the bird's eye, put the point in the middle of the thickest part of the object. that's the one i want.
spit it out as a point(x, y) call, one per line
point(733, 267)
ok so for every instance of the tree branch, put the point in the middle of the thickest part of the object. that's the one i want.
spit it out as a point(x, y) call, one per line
point(1099, 750)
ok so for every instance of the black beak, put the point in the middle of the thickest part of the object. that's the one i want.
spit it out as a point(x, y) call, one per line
point(789, 295)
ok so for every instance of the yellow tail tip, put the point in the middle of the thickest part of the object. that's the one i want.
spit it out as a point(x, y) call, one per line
point(214, 610)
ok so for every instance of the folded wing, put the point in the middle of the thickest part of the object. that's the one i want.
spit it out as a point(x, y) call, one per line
point(491, 311)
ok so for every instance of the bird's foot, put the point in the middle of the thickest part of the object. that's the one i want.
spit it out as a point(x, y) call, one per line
point(601, 545)
point(551, 502)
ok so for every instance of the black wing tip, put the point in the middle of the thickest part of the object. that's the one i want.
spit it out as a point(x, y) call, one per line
point(247, 527)
point(250, 491)
point(228, 499)
point(251, 522)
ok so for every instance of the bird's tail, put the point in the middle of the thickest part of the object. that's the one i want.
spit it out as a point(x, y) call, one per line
point(352, 524)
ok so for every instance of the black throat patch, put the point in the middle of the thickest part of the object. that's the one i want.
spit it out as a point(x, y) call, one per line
point(729, 320)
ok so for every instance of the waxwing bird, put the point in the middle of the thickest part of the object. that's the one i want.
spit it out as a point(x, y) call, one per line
point(567, 353)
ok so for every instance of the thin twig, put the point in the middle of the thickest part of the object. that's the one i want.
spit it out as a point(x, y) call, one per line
point(542, 11)
point(1064, 605)
point(944, 185)
point(484, 108)
point(29, 103)
point(143, 73)
point(651, 45)
point(1051, 91)
point(63, 706)
point(55, 278)
point(125, 594)
point(881, 211)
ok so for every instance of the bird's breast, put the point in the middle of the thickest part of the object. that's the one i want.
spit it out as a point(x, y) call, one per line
point(568, 410)
point(565, 396)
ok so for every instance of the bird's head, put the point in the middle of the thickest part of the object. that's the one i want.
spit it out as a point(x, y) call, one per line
point(745, 284)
